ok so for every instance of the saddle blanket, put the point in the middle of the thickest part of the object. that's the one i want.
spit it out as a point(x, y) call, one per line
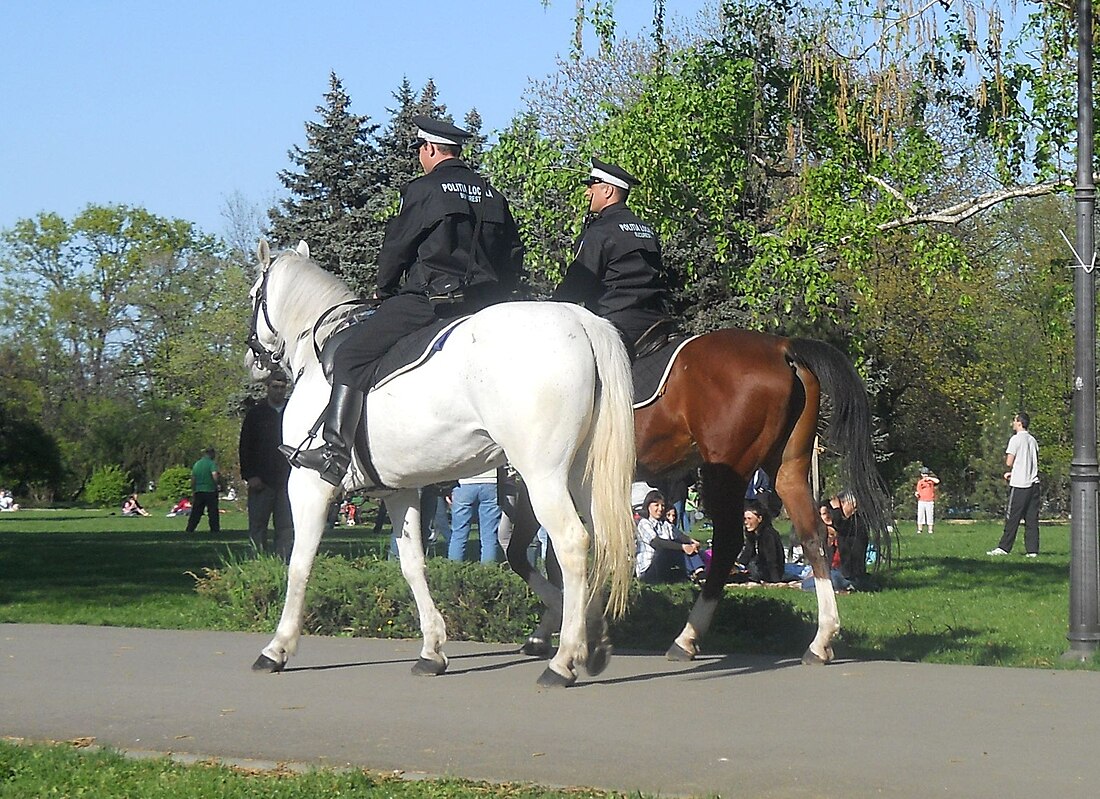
point(414, 349)
point(651, 372)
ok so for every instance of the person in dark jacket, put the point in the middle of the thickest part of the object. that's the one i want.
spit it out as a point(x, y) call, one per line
point(266, 472)
point(617, 271)
point(763, 555)
point(853, 540)
point(454, 248)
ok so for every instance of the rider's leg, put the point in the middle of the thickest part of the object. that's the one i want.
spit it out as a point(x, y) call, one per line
point(341, 418)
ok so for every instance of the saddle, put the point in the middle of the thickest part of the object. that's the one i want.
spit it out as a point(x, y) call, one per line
point(407, 354)
point(656, 350)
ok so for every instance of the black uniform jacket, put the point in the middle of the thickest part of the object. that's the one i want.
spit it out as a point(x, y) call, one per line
point(617, 265)
point(431, 241)
point(261, 434)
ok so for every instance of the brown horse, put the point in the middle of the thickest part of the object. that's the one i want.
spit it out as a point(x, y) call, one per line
point(734, 401)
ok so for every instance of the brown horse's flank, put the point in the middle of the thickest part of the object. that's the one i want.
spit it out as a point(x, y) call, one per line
point(737, 400)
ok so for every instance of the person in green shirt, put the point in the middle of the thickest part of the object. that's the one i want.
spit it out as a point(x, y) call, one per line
point(204, 492)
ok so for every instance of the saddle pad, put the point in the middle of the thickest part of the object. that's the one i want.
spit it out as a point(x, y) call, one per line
point(651, 372)
point(414, 349)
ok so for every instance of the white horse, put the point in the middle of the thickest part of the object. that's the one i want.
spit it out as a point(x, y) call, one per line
point(545, 387)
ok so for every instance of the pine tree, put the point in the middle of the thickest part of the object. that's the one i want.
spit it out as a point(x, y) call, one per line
point(474, 151)
point(399, 163)
point(336, 201)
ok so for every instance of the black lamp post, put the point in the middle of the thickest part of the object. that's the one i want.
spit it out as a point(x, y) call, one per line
point(1084, 585)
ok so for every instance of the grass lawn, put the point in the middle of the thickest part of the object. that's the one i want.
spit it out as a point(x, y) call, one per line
point(944, 601)
point(64, 771)
point(98, 567)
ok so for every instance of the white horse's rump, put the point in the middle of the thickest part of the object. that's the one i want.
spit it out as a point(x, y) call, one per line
point(543, 386)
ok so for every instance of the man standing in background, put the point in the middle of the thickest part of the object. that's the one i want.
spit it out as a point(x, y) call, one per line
point(1022, 460)
point(266, 471)
point(925, 492)
point(204, 492)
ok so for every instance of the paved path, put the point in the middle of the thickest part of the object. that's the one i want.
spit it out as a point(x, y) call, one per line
point(736, 726)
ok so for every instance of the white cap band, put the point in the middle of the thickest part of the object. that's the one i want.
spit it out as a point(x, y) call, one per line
point(434, 138)
point(607, 177)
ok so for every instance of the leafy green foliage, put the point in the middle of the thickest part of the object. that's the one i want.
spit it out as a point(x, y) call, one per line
point(368, 597)
point(174, 482)
point(107, 486)
point(122, 353)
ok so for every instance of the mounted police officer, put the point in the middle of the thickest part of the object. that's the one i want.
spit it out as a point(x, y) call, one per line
point(457, 248)
point(617, 271)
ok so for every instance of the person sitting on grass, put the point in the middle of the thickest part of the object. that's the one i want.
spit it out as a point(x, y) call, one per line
point(763, 558)
point(660, 548)
point(7, 501)
point(181, 508)
point(131, 507)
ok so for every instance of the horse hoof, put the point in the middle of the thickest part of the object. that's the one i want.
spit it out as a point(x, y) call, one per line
point(429, 668)
point(551, 679)
point(811, 658)
point(678, 653)
point(266, 664)
point(598, 658)
point(536, 648)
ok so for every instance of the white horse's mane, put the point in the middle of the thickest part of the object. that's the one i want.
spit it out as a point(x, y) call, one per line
point(303, 293)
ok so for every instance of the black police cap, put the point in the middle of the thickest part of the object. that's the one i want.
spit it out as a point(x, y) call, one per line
point(603, 172)
point(437, 131)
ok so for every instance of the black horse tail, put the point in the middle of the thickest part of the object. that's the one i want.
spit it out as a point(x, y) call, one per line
point(849, 431)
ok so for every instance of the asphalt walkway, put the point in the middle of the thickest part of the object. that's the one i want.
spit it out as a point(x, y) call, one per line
point(729, 725)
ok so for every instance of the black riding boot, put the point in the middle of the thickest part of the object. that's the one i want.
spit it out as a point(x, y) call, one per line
point(341, 418)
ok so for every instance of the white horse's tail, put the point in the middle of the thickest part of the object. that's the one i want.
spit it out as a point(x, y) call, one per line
point(609, 468)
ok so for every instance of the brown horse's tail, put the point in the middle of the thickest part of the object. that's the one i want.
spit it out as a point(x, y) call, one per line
point(850, 433)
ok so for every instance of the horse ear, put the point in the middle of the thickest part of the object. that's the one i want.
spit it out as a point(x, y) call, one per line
point(302, 249)
point(263, 253)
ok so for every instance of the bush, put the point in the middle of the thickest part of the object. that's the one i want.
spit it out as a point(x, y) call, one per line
point(108, 486)
point(174, 482)
point(368, 597)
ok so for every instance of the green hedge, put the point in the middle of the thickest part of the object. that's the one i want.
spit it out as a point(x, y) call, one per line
point(369, 598)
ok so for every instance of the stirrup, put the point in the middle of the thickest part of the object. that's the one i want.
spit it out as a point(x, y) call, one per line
point(328, 461)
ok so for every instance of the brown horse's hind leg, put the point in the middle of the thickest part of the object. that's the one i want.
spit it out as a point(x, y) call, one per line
point(517, 506)
point(792, 485)
point(724, 502)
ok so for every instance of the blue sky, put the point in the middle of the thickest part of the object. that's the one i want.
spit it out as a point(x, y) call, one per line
point(176, 106)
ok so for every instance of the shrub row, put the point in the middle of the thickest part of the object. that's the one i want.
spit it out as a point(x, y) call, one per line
point(369, 598)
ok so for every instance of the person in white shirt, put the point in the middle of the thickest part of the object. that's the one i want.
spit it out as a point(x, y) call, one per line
point(659, 548)
point(1022, 460)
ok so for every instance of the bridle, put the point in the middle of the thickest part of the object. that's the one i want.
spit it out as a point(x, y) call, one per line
point(268, 359)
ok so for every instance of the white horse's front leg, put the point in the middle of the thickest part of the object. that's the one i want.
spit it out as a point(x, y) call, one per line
point(406, 505)
point(310, 498)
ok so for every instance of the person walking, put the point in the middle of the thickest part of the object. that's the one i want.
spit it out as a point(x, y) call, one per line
point(1022, 460)
point(204, 492)
point(266, 472)
point(925, 492)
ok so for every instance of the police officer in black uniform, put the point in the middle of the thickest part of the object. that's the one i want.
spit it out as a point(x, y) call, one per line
point(617, 272)
point(457, 247)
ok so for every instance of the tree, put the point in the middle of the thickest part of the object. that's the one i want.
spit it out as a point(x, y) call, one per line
point(129, 329)
point(336, 200)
